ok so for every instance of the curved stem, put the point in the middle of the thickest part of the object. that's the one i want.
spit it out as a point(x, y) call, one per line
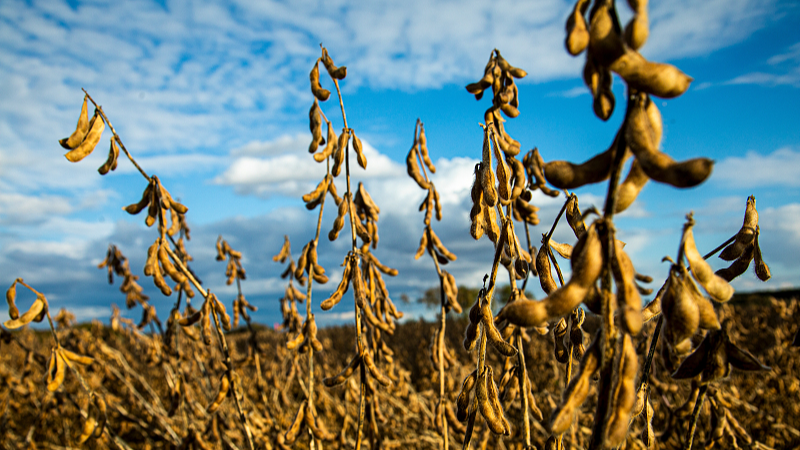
point(698, 404)
point(116, 136)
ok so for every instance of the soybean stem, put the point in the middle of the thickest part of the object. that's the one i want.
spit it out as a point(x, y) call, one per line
point(116, 136)
point(698, 404)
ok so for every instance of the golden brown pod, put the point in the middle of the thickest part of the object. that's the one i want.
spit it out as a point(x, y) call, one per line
point(30, 315)
point(630, 188)
point(111, 162)
point(719, 289)
point(224, 387)
point(462, 401)
point(299, 419)
point(493, 334)
point(88, 429)
point(80, 359)
point(340, 152)
point(360, 157)
point(315, 126)
point(338, 73)
point(342, 376)
point(423, 149)
point(745, 235)
point(330, 147)
point(413, 168)
point(488, 184)
point(628, 297)
point(566, 175)
point(81, 129)
point(577, 34)
point(681, 313)
point(316, 88)
point(623, 395)
point(544, 270)
point(641, 139)
point(587, 264)
point(637, 29)
point(11, 296)
point(374, 371)
point(485, 404)
point(96, 127)
point(437, 243)
point(762, 269)
point(57, 370)
point(577, 390)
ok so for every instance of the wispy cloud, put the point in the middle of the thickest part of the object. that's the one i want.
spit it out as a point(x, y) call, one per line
point(778, 168)
point(784, 69)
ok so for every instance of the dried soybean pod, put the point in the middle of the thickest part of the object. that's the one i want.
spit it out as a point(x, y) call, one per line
point(294, 429)
point(338, 73)
point(604, 101)
point(681, 313)
point(565, 250)
point(659, 166)
point(488, 184)
point(629, 189)
point(57, 370)
point(340, 152)
point(566, 175)
point(575, 218)
point(745, 235)
point(102, 410)
point(88, 429)
point(544, 271)
point(523, 313)
point(224, 387)
point(413, 169)
point(484, 403)
point(587, 264)
point(462, 401)
point(659, 79)
point(11, 296)
point(315, 126)
point(96, 127)
point(373, 369)
point(111, 162)
point(423, 244)
point(739, 266)
point(577, 34)
point(708, 317)
point(637, 30)
point(577, 390)
point(494, 399)
point(342, 376)
point(316, 88)
point(30, 315)
point(762, 269)
point(81, 129)
point(80, 359)
point(628, 298)
point(492, 334)
point(423, 149)
point(330, 146)
point(437, 243)
point(623, 395)
point(362, 160)
point(716, 286)
point(336, 297)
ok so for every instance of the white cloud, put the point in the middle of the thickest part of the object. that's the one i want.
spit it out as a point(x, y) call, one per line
point(784, 70)
point(290, 172)
point(778, 168)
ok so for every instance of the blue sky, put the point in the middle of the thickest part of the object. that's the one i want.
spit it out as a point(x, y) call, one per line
point(213, 97)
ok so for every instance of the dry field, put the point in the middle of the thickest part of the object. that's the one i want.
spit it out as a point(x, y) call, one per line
point(588, 366)
point(137, 381)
